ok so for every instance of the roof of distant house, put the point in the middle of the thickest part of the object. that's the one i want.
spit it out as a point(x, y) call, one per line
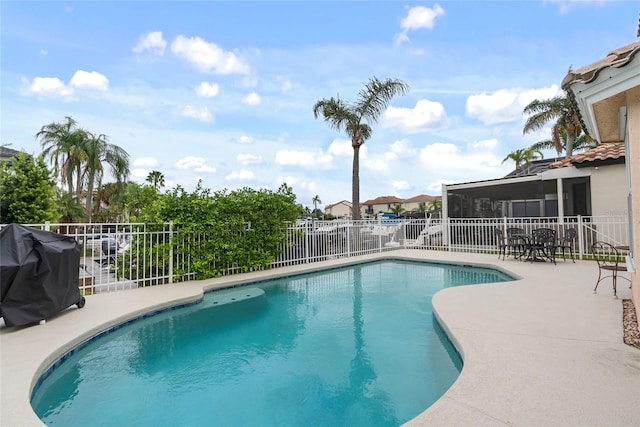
point(383, 200)
point(342, 202)
point(421, 198)
point(535, 167)
point(6, 152)
point(605, 153)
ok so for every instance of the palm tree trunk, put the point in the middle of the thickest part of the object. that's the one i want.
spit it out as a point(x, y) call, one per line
point(355, 183)
point(569, 149)
point(89, 196)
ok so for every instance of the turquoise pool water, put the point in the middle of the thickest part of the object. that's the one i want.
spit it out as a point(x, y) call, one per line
point(355, 346)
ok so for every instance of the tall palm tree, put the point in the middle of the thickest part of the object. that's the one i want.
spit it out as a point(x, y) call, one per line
point(523, 157)
point(98, 151)
point(355, 119)
point(60, 143)
point(316, 201)
point(559, 110)
point(581, 143)
point(156, 178)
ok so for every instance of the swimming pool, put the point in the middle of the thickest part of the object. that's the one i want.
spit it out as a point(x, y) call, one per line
point(350, 346)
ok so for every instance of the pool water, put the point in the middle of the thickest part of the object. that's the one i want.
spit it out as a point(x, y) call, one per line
point(354, 346)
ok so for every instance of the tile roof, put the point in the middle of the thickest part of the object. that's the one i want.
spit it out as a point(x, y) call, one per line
point(421, 198)
point(617, 58)
point(382, 200)
point(604, 151)
point(342, 202)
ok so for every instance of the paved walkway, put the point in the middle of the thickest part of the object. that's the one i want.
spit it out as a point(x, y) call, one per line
point(542, 350)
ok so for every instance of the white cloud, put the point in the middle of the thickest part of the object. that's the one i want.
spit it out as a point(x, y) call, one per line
point(152, 42)
point(139, 173)
point(190, 162)
point(245, 139)
point(242, 175)
point(418, 17)
point(302, 158)
point(251, 99)
point(89, 80)
point(436, 186)
point(147, 162)
point(205, 168)
point(424, 116)
point(447, 160)
point(401, 185)
point(203, 114)
point(486, 145)
point(43, 52)
point(379, 164)
point(284, 82)
point(49, 86)
point(401, 148)
point(208, 57)
point(342, 148)
point(505, 105)
point(246, 159)
point(207, 90)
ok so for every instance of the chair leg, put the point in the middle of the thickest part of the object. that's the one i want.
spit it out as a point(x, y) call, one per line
point(615, 294)
point(598, 281)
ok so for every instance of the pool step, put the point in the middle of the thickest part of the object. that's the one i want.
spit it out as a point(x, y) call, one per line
point(218, 298)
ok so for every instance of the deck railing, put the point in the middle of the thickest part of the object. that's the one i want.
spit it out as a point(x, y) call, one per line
point(124, 256)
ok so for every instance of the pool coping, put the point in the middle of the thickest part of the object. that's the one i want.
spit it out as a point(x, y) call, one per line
point(490, 325)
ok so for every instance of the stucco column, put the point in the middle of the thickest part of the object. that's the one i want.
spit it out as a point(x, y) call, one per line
point(560, 191)
point(633, 159)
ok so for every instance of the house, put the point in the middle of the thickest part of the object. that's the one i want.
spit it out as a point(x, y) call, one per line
point(378, 205)
point(6, 154)
point(342, 209)
point(585, 184)
point(607, 95)
point(415, 204)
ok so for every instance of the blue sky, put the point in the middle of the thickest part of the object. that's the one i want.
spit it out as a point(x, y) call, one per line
point(223, 91)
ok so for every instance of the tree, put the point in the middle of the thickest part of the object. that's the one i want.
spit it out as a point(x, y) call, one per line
point(27, 191)
point(435, 205)
point(355, 119)
point(559, 110)
point(60, 143)
point(397, 209)
point(523, 157)
point(156, 178)
point(583, 142)
point(97, 151)
point(316, 201)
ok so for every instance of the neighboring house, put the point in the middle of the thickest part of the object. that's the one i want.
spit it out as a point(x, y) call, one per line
point(341, 209)
point(6, 154)
point(588, 184)
point(413, 204)
point(383, 204)
point(607, 94)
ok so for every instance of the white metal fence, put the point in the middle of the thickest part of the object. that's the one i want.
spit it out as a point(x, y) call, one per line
point(125, 256)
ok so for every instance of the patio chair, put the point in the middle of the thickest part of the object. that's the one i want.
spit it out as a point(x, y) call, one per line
point(543, 245)
point(500, 242)
point(517, 242)
point(608, 259)
point(567, 242)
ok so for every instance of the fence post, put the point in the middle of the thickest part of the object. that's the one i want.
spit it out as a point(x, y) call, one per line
point(47, 226)
point(349, 241)
point(379, 234)
point(580, 237)
point(306, 241)
point(170, 251)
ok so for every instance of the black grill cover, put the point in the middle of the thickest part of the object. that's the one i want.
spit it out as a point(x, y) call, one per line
point(39, 273)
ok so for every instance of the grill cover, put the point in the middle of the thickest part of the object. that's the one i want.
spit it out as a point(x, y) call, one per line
point(39, 273)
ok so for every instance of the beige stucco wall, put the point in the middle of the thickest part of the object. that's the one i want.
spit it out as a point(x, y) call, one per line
point(633, 156)
point(609, 190)
point(339, 210)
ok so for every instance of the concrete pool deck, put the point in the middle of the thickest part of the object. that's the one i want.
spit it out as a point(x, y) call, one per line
point(541, 350)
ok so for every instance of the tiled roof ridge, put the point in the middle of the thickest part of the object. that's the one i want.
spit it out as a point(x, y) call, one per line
point(617, 58)
point(604, 151)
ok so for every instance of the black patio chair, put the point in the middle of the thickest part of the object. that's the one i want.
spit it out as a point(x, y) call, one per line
point(517, 242)
point(567, 242)
point(543, 245)
point(608, 259)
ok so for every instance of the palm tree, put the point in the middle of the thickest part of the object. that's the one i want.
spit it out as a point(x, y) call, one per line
point(97, 151)
point(156, 178)
point(583, 142)
point(523, 156)
point(60, 142)
point(435, 205)
point(354, 119)
point(316, 201)
point(562, 112)
point(397, 209)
